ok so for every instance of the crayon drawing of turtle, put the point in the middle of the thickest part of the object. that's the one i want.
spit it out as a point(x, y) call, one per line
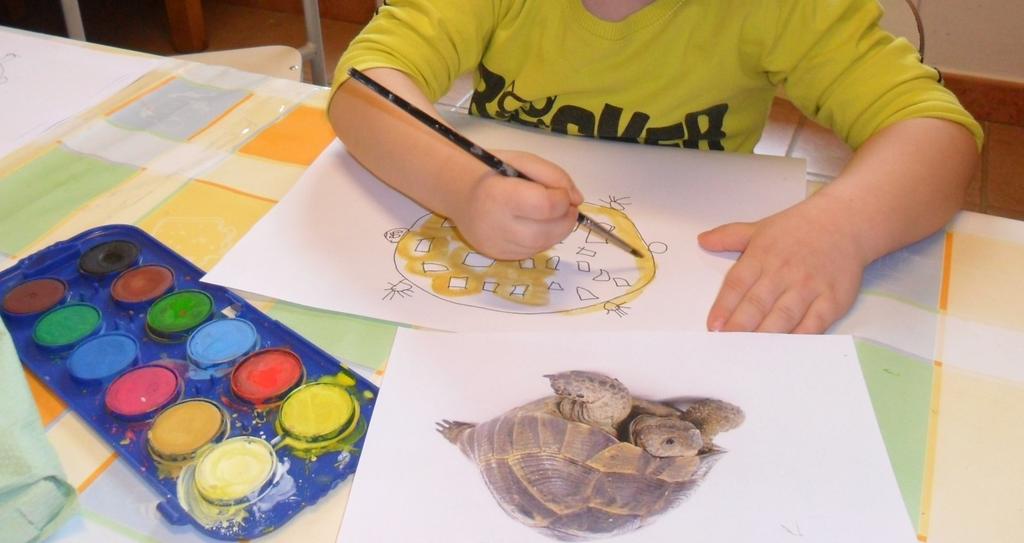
point(591, 460)
point(582, 272)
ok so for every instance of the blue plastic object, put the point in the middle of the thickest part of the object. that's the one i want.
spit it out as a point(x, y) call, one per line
point(217, 345)
point(103, 357)
point(81, 376)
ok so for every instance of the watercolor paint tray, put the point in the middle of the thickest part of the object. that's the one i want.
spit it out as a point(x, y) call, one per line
point(234, 419)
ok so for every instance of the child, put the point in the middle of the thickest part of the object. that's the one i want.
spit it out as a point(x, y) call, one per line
point(686, 73)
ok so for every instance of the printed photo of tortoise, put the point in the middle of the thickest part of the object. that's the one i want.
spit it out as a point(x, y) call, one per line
point(591, 460)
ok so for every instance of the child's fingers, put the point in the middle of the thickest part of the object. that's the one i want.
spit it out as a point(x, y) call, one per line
point(789, 310)
point(728, 237)
point(515, 250)
point(741, 277)
point(737, 282)
point(822, 313)
point(536, 202)
point(510, 219)
point(537, 236)
point(757, 303)
point(544, 172)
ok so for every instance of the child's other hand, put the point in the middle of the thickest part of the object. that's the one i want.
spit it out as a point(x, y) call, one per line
point(800, 271)
point(508, 218)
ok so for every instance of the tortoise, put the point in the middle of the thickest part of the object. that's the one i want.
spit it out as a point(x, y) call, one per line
point(591, 460)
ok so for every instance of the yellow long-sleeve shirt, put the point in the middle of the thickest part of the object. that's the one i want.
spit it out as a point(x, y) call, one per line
point(691, 73)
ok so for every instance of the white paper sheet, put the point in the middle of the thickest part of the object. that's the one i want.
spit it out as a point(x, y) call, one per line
point(808, 464)
point(333, 242)
point(44, 82)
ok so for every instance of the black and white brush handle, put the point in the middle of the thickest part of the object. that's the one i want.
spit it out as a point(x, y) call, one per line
point(480, 153)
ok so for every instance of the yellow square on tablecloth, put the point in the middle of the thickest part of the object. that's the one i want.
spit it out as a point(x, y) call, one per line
point(203, 221)
point(977, 493)
point(985, 280)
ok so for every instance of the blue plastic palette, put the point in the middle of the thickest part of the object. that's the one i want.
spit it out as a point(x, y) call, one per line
point(186, 381)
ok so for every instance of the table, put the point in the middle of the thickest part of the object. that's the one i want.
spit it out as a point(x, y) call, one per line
point(940, 324)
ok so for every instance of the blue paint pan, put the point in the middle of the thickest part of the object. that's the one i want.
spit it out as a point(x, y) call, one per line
point(103, 357)
point(215, 346)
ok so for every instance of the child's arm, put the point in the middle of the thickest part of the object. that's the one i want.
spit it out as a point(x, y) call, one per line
point(801, 269)
point(502, 217)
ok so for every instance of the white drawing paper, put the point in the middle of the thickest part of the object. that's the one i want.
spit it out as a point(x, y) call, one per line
point(807, 464)
point(360, 247)
point(45, 81)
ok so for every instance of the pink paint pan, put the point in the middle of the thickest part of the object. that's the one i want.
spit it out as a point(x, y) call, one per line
point(139, 393)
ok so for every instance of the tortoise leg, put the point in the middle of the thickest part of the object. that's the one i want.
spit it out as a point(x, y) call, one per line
point(452, 430)
point(591, 398)
point(713, 417)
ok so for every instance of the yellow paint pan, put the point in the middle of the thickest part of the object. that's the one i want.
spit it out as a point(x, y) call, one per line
point(235, 471)
point(318, 414)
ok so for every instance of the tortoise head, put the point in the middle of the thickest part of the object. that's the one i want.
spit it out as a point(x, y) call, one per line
point(665, 436)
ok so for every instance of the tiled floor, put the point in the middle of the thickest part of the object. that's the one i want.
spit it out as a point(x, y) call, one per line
point(998, 186)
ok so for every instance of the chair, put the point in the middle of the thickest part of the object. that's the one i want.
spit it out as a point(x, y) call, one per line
point(188, 33)
point(273, 60)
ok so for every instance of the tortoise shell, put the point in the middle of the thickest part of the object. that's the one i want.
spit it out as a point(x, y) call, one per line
point(574, 481)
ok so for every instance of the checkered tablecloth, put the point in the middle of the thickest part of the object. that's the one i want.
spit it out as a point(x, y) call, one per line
point(196, 154)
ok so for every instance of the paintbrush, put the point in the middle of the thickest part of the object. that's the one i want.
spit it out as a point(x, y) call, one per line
point(479, 153)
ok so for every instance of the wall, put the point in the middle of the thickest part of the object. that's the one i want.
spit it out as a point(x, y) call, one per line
point(973, 37)
point(983, 38)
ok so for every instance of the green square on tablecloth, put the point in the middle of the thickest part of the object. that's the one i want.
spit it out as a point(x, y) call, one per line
point(361, 340)
point(900, 386)
point(40, 194)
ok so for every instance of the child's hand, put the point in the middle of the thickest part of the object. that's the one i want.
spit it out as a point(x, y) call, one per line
point(800, 271)
point(510, 218)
